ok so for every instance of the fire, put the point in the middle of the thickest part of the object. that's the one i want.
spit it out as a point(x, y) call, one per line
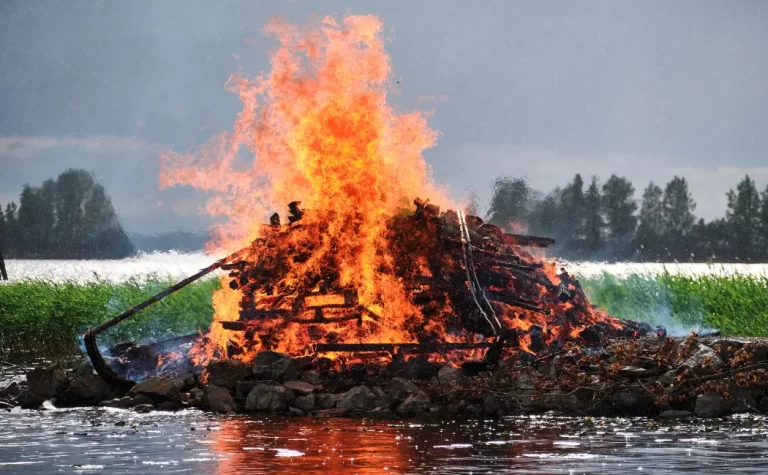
point(317, 127)
point(356, 264)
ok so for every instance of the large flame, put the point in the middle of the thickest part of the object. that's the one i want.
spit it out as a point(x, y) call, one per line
point(317, 128)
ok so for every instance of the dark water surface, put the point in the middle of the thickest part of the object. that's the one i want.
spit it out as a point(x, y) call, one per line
point(115, 441)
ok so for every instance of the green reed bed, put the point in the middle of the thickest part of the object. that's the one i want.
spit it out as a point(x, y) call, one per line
point(45, 319)
point(734, 304)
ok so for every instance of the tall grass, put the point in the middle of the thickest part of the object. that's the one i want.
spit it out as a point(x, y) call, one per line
point(735, 304)
point(46, 318)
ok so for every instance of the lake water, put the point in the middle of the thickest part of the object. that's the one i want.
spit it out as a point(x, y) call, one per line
point(174, 266)
point(123, 442)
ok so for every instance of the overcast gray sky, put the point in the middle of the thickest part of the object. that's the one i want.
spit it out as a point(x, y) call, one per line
point(538, 89)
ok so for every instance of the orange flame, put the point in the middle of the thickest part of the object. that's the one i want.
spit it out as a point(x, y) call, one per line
point(317, 128)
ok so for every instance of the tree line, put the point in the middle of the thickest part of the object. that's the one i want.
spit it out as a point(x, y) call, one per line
point(607, 222)
point(71, 217)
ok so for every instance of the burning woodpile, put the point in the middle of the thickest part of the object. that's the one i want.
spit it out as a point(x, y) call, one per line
point(469, 286)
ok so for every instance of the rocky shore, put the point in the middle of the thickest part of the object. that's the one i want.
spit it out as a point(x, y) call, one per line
point(662, 377)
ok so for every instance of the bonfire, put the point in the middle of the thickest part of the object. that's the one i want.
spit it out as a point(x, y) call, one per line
point(367, 297)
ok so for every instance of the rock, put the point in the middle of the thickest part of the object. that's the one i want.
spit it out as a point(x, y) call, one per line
point(11, 391)
point(159, 389)
point(171, 406)
point(416, 402)
point(305, 403)
point(712, 405)
point(312, 377)
point(243, 388)
point(195, 397)
point(633, 402)
point(85, 368)
point(668, 379)
point(140, 399)
point(398, 389)
point(85, 390)
point(144, 408)
point(703, 357)
point(633, 372)
point(295, 412)
point(185, 381)
point(302, 388)
point(269, 398)
point(745, 400)
point(359, 398)
point(218, 399)
point(566, 403)
point(674, 415)
point(47, 382)
point(226, 373)
point(326, 401)
point(449, 375)
point(275, 366)
point(29, 400)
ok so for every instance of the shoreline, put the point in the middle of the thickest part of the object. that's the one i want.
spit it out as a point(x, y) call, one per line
point(663, 378)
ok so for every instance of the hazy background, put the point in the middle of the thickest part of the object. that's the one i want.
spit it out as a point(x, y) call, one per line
point(538, 89)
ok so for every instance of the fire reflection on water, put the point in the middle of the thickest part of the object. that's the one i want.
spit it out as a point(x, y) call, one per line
point(334, 445)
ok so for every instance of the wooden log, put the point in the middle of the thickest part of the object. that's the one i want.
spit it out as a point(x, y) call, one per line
point(400, 347)
point(516, 302)
point(527, 241)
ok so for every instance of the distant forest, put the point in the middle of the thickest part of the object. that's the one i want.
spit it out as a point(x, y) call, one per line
point(71, 217)
point(606, 222)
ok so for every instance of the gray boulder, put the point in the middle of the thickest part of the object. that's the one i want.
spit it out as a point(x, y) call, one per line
point(302, 388)
point(359, 398)
point(159, 389)
point(326, 401)
point(305, 403)
point(633, 402)
point(226, 373)
point(29, 400)
point(244, 388)
point(712, 405)
point(47, 382)
point(275, 366)
point(703, 356)
point(400, 388)
point(312, 377)
point(218, 399)
point(416, 402)
point(269, 398)
point(85, 390)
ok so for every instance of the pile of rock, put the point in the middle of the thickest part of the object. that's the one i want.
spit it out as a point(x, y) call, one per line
point(668, 378)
